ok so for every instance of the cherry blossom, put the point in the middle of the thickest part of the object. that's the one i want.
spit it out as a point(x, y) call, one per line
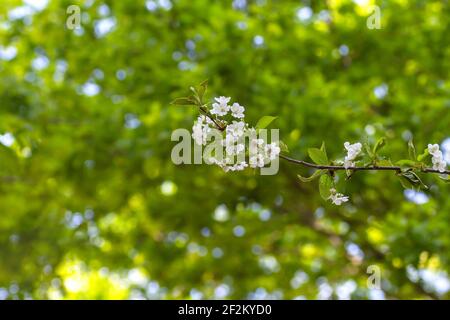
point(437, 158)
point(337, 198)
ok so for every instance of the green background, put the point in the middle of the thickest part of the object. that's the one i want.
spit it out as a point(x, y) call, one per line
point(91, 205)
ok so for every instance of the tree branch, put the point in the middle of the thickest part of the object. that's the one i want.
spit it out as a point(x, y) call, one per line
point(370, 168)
point(326, 167)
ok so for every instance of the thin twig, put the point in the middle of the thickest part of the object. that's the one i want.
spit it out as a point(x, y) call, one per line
point(206, 113)
point(370, 168)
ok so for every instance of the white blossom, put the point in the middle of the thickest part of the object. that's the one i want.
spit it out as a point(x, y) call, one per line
point(209, 121)
point(225, 168)
point(219, 109)
point(437, 158)
point(236, 167)
point(352, 152)
point(220, 163)
point(236, 129)
point(272, 150)
point(256, 145)
point(433, 149)
point(239, 148)
point(257, 161)
point(237, 110)
point(348, 163)
point(223, 101)
point(337, 198)
point(233, 149)
point(200, 131)
point(229, 140)
point(239, 166)
point(441, 166)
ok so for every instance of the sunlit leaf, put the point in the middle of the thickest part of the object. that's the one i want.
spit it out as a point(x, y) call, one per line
point(264, 122)
point(325, 184)
point(318, 156)
point(315, 175)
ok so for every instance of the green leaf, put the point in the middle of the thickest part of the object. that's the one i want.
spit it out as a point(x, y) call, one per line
point(325, 184)
point(418, 181)
point(202, 87)
point(423, 155)
point(318, 156)
point(410, 179)
point(412, 150)
point(368, 150)
point(405, 182)
point(380, 144)
point(195, 96)
point(264, 122)
point(185, 101)
point(315, 175)
point(283, 146)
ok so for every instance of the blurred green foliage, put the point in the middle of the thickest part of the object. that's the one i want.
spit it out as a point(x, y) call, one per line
point(91, 205)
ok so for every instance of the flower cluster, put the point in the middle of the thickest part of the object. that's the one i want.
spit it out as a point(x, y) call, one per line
point(237, 145)
point(437, 158)
point(337, 198)
point(233, 151)
point(201, 129)
point(352, 152)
